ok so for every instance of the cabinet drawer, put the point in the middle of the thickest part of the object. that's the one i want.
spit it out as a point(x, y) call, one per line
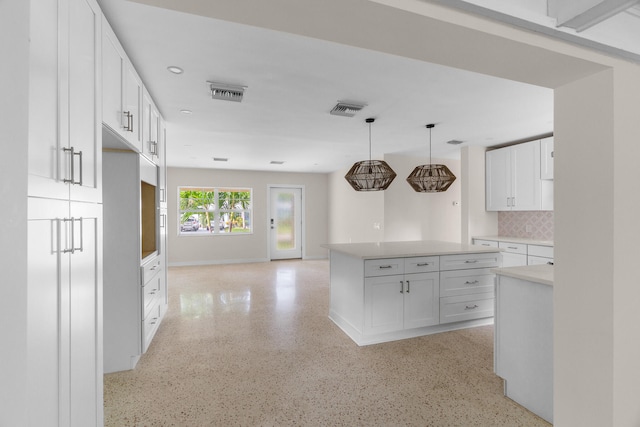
point(543, 251)
point(465, 261)
point(150, 293)
point(465, 282)
point(489, 243)
point(150, 269)
point(423, 264)
point(383, 267)
point(466, 307)
point(149, 326)
point(535, 260)
point(514, 248)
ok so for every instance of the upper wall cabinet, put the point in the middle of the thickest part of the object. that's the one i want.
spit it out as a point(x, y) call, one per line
point(150, 128)
point(513, 180)
point(546, 158)
point(64, 111)
point(121, 91)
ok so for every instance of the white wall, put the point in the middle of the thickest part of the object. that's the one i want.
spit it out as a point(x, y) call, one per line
point(14, 114)
point(421, 216)
point(476, 221)
point(401, 213)
point(354, 214)
point(193, 250)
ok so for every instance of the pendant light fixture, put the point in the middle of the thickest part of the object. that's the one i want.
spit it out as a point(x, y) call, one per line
point(370, 175)
point(431, 178)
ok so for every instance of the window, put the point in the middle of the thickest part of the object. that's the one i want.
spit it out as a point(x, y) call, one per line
point(214, 210)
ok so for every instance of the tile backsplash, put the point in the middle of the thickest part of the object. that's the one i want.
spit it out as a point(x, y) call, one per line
point(527, 224)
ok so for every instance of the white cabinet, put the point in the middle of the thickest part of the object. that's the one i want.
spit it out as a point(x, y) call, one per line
point(150, 128)
point(394, 300)
point(64, 107)
point(518, 253)
point(65, 312)
point(513, 254)
point(162, 163)
point(513, 178)
point(546, 158)
point(466, 287)
point(539, 255)
point(122, 91)
point(385, 299)
point(64, 220)
point(135, 259)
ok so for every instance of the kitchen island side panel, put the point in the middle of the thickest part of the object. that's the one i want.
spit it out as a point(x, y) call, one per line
point(347, 292)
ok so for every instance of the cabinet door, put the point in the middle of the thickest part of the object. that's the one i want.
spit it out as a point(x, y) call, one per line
point(513, 260)
point(383, 304)
point(112, 66)
point(421, 300)
point(498, 180)
point(162, 163)
point(45, 72)
point(546, 158)
point(132, 106)
point(47, 284)
point(84, 129)
point(85, 316)
point(525, 162)
point(150, 125)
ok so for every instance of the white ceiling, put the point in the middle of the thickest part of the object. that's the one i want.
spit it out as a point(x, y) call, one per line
point(294, 81)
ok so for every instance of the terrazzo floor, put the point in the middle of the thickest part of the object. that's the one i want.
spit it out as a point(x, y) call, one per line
point(251, 345)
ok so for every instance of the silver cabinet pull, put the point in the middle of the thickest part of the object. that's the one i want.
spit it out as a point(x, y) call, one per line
point(513, 201)
point(402, 286)
point(162, 195)
point(422, 264)
point(471, 261)
point(486, 244)
point(471, 283)
point(384, 266)
point(73, 236)
point(474, 306)
point(129, 116)
point(408, 286)
point(73, 171)
point(512, 247)
point(153, 148)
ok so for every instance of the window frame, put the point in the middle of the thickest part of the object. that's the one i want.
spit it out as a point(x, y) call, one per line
point(224, 214)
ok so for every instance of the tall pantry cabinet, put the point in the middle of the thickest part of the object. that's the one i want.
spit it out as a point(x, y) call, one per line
point(64, 224)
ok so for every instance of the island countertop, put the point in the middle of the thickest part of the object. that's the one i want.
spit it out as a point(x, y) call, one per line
point(406, 249)
point(542, 273)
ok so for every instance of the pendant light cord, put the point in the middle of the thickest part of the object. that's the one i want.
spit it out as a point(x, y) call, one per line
point(369, 141)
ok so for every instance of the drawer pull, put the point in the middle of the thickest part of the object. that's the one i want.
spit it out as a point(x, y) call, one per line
point(152, 293)
point(512, 247)
point(153, 268)
point(471, 261)
point(422, 264)
point(486, 244)
point(471, 283)
point(384, 266)
point(474, 306)
point(402, 286)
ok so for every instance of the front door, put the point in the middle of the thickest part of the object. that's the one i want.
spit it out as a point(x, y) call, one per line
point(285, 222)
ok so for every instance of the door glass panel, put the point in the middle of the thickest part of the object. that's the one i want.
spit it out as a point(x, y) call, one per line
point(286, 237)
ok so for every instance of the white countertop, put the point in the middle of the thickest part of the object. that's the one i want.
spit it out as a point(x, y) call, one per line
point(406, 249)
point(516, 240)
point(542, 273)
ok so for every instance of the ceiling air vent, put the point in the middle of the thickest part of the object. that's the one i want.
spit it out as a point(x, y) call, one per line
point(226, 91)
point(346, 110)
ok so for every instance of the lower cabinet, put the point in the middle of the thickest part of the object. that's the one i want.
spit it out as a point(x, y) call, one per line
point(64, 380)
point(395, 298)
point(400, 302)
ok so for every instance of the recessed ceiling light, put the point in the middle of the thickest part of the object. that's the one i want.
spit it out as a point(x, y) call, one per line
point(175, 70)
point(186, 111)
point(277, 162)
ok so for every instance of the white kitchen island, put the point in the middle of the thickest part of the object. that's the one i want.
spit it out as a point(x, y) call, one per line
point(394, 290)
point(523, 337)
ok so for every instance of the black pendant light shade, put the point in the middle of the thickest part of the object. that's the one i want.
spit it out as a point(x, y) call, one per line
point(370, 175)
point(431, 178)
